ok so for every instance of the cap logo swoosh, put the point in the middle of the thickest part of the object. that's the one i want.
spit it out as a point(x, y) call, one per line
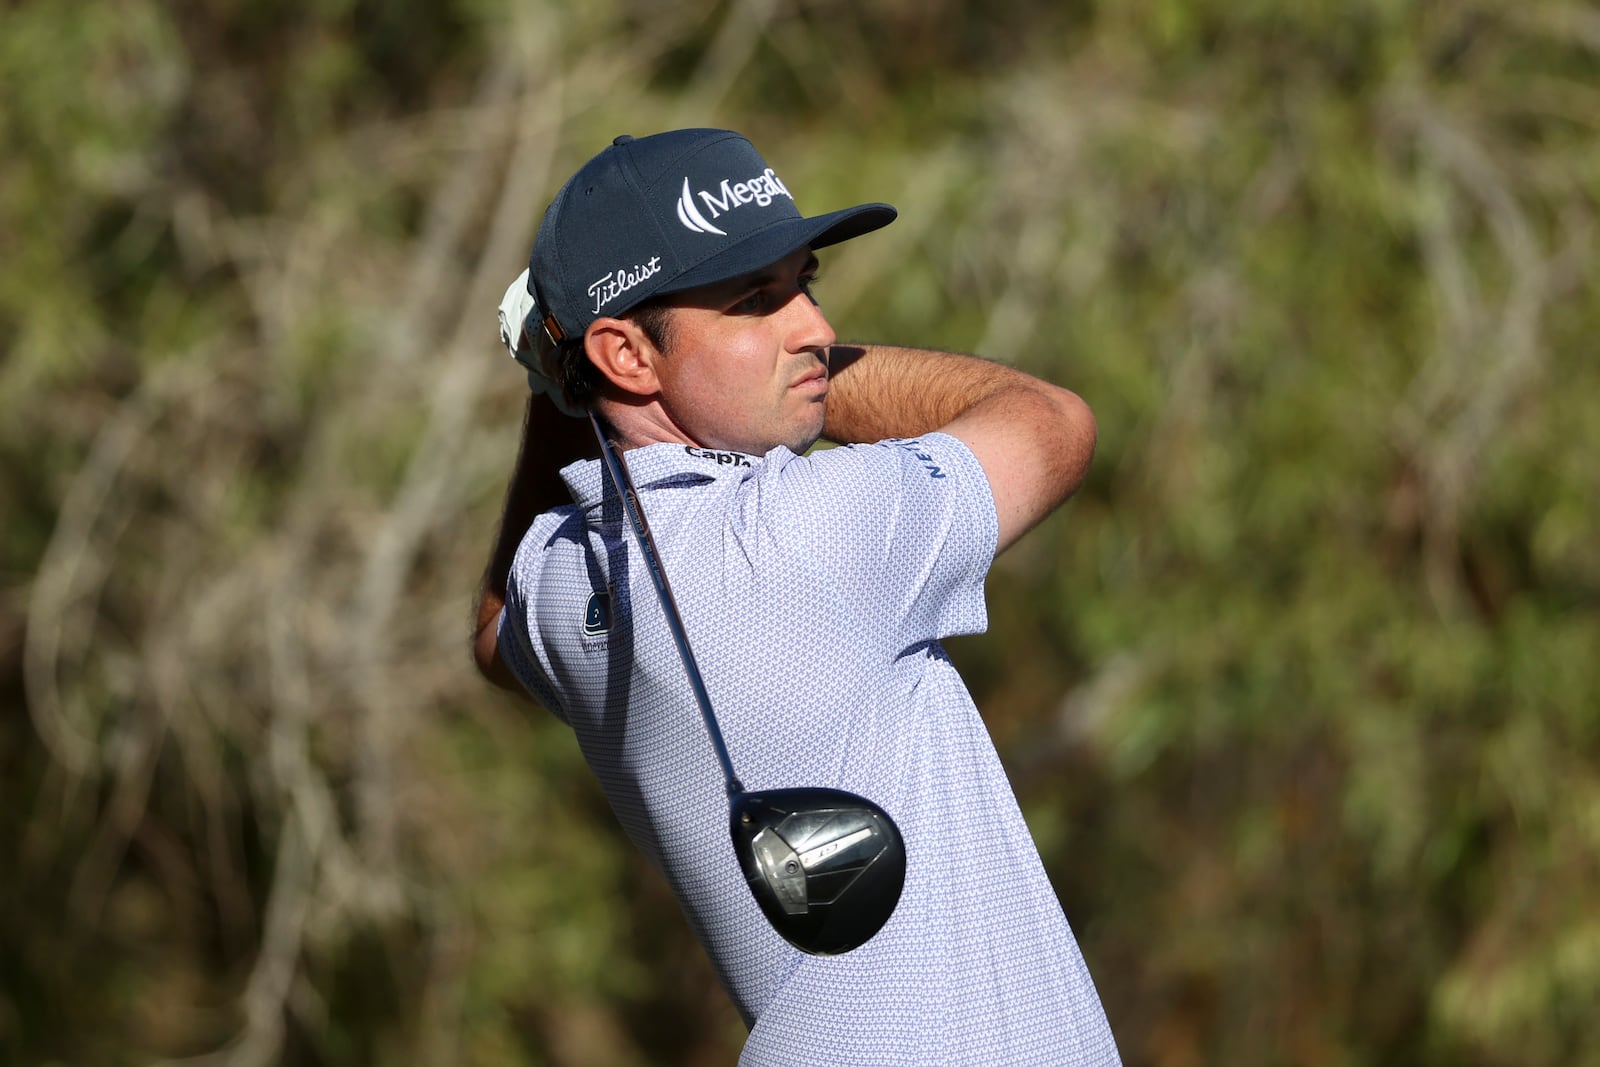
point(690, 215)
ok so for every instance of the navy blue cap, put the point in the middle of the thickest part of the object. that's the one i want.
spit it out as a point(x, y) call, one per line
point(665, 213)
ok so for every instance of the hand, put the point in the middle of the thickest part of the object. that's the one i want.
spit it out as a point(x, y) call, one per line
point(517, 308)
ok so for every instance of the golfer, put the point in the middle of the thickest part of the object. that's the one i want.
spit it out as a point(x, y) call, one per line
point(670, 289)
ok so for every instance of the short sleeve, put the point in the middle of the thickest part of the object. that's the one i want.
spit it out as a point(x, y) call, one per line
point(905, 526)
point(517, 652)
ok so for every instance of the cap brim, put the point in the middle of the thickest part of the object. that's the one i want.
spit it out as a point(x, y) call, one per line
point(772, 243)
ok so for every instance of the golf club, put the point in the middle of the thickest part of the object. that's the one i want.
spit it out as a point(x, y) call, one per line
point(826, 866)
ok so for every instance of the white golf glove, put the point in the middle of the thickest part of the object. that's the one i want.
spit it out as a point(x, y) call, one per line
point(517, 307)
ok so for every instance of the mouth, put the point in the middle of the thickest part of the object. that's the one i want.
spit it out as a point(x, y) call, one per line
point(815, 380)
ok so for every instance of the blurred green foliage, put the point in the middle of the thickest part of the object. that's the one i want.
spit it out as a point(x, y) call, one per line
point(1299, 694)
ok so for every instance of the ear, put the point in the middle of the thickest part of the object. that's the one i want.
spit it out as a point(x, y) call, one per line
point(624, 354)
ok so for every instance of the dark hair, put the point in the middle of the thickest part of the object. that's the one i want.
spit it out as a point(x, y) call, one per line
point(580, 379)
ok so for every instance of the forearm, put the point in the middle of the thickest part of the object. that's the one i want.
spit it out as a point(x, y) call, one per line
point(882, 391)
point(1033, 439)
point(550, 441)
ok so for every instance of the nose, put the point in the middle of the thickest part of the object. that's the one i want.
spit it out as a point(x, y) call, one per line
point(809, 329)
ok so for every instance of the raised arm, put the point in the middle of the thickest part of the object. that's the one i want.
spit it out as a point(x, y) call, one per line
point(1033, 439)
point(550, 441)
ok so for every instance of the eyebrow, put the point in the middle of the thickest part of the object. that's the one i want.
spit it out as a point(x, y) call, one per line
point(765, 277)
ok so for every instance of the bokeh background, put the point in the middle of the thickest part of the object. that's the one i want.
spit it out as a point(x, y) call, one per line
point(1299, 694)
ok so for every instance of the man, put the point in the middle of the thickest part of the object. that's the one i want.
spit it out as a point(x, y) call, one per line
point(670, 287)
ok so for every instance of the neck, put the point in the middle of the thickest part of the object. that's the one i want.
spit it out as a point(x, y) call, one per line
point(635, 422)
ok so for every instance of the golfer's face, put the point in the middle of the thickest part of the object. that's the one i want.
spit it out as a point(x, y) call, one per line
point(746, 366)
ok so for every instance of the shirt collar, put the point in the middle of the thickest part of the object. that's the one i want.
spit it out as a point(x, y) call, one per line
point(653, 464)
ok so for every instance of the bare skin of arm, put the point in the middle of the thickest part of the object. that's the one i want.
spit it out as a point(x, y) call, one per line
point(550, 441)
point(1033, 439)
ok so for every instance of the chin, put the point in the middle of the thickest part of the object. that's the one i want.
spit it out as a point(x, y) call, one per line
point(799, 435)
point(804, 437)
point(800, 447)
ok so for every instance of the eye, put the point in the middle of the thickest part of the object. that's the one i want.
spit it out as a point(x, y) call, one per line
point(806, 284)
point(752, 303)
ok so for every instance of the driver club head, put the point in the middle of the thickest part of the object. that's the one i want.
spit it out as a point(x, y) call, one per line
point(826, 866)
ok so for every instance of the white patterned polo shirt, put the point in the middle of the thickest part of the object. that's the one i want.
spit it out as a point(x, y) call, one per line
point(815, 592)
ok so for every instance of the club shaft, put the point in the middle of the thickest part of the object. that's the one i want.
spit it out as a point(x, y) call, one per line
point(620, 478)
